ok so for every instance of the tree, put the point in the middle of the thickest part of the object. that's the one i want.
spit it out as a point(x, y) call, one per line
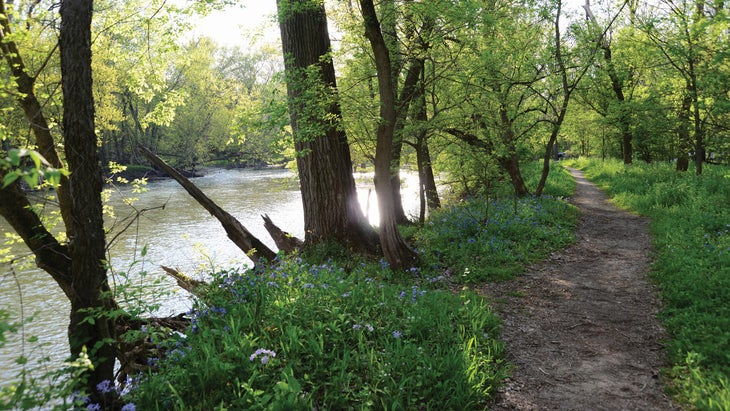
point(88, 329)
point(395, 249)
point(329, 196)
point(78, 267)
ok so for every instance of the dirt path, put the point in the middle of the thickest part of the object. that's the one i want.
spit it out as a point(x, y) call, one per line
point(581, 328)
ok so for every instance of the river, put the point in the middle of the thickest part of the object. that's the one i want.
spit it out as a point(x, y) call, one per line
point(181, 235)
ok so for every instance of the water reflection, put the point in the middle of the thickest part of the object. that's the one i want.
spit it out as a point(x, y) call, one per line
point(181, 235)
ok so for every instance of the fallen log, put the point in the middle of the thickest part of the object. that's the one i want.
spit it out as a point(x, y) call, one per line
point(247, 242)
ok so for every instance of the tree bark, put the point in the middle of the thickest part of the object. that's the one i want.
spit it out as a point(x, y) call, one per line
point(87, 245)
point(398, 254)
point(329, 196)
point(256, 250)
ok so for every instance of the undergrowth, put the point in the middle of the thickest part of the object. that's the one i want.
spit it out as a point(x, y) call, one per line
point(691, 230)
point(301, 336)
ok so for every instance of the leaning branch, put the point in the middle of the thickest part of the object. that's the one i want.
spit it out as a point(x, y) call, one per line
point(247, 242)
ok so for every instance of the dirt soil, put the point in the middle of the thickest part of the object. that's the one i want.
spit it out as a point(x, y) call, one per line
point(581, 328)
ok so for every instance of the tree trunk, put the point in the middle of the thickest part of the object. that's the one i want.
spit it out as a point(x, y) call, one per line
point(329, 195)
point(683, 132)
point(398, 254)
point(87, 246)
point(427, 184)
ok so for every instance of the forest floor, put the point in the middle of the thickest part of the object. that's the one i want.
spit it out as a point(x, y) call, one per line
point(581, 328)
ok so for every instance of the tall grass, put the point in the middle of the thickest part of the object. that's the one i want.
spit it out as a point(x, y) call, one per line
point(691, 229)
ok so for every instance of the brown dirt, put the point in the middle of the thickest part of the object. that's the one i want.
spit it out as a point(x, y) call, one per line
point(581, 328)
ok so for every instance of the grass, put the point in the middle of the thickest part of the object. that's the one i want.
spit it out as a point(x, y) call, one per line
point(301, 336)
point(691, 232)
point(493, 240)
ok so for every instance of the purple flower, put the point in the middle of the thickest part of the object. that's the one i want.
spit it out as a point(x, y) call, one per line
point(369, 327)
point(356, 327)
point(129, 407)
point(265, 355)
point(345, 295)
point(105, 387)
point(93, 407)
point(397, 334)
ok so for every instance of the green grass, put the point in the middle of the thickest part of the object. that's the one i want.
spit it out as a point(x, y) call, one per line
point(480, 240)
point(301, 336)
point(691, 230)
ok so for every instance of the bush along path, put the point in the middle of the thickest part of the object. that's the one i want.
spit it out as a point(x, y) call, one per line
point(581, 328)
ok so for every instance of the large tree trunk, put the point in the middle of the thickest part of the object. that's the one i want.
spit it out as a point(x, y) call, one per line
point(87, 246)
point(395, 249)
point(329, 196)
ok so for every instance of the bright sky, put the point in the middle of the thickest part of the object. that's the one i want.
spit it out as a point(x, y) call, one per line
point(254, 21)
point(240, 25)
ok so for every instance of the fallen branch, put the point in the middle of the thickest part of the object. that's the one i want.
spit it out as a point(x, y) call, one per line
point(185, 282)
point(285, 241)
point(247, 242)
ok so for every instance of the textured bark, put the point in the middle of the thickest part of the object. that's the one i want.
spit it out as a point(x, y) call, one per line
point(395, 249)
point(256, 250)
point(87, 244)
point(331, 209)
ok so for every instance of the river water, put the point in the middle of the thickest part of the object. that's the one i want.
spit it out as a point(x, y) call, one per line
point(181, 235)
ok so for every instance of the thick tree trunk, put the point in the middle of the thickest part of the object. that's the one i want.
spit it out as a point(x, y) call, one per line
point(395, 249)
point(329, 196)
point(87, 245)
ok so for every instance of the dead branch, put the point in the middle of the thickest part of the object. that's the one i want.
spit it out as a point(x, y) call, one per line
point(247, 242)
point(285, 241)
point(185, 282)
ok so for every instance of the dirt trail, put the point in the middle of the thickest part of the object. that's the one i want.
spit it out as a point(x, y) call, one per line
point(581, 328)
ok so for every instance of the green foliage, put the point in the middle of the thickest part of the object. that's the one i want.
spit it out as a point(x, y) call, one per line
point(34, 174)
point(494, 240)
point(690, 224)
point(303, 336)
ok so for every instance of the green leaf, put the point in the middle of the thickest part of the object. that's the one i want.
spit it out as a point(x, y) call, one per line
point(10, 178)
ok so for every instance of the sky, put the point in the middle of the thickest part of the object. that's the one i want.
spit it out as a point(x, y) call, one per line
point(239, 25)
point(253, 20)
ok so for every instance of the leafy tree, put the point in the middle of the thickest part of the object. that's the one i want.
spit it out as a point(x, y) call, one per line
point(329, 197)
point(395, 249)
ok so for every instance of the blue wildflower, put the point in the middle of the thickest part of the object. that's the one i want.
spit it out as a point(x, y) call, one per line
point(129, 407)
point(93, 407)
point(105, 387)
point(264, 353)
point(397, 334)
